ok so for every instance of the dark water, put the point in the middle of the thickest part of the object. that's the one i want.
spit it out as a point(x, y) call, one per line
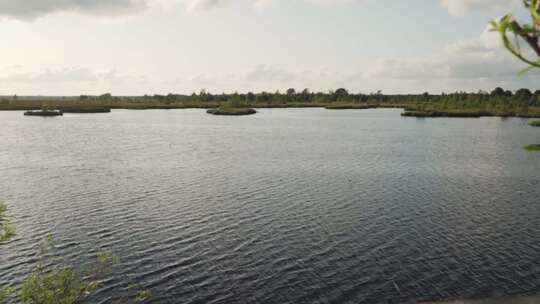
point(287, 206)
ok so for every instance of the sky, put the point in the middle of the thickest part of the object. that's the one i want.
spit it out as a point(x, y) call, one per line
point(136, 47)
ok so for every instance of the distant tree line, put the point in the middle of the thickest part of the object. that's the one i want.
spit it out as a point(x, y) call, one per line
point(497, 98)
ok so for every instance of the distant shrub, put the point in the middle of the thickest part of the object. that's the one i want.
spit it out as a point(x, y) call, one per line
point(232, 111)
point(532, 148)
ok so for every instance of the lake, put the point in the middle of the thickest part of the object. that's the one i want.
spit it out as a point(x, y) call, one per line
point(286, 206)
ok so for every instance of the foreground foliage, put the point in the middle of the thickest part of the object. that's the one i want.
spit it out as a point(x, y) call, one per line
point(6, 229)
point(6, 233)
point(528, 32)
point(63, 284)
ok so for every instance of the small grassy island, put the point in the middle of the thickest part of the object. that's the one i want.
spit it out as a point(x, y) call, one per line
point(349, 107)
point(466, 114)
point(532, 147)
point(535, 123)
point(44, 113)
point(444, 114)
point(231, 111)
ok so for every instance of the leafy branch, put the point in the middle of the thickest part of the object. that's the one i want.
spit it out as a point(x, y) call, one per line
point(530, 33)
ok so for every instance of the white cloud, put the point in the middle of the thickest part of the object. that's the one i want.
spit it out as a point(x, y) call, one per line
point(18, 74)
point(465, 59)
point(469, 64)
point(262, 4)
point(330, 2)
point(463, 7)
point(69, 81)
point(258, 75)
point(264, 73)
point(30, 9)
point(202, 5)
point(65, 75)
point(263, 78)
point(491, 40)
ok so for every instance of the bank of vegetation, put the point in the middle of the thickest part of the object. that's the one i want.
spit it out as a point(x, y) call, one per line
point(499, 102)
point(82, 109)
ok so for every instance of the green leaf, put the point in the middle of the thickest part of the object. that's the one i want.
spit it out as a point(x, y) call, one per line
point(526, 70)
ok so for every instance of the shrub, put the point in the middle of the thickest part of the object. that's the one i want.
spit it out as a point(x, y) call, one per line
point(61, 285)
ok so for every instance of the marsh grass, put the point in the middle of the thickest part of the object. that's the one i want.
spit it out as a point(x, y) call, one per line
point(6, 229)
point(4, 294)
point(6, 232)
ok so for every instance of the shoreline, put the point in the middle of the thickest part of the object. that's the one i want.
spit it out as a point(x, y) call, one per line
point(408, 112)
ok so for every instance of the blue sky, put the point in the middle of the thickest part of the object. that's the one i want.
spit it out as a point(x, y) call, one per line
point(131, 47)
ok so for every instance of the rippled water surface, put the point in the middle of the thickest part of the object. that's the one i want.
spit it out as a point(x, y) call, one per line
point(286, 206)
